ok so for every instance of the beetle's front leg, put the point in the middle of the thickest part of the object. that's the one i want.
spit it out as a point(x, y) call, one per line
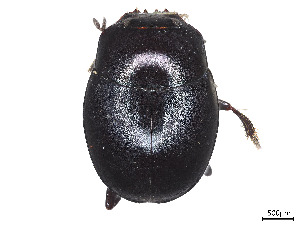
point(92, 66)
point(112, 199)
point(249, 128)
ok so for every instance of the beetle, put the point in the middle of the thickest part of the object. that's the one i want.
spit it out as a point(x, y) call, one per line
point(151, 111)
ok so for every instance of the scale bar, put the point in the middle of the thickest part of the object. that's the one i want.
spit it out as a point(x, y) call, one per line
point(278, 218)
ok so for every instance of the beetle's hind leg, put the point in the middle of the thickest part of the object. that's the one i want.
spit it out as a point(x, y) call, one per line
point(249, 128)
point(208, 171)
point(112, 199)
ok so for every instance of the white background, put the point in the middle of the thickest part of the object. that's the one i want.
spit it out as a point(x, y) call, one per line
point(46, 174)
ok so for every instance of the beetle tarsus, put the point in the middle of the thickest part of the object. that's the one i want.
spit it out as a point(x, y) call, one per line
point(208, 171)
point(249, 128)
point(112, 199)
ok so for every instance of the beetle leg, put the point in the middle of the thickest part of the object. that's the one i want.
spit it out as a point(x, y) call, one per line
point(112, 199)
point(249, 128)
point(208, 171)
point(92, 66)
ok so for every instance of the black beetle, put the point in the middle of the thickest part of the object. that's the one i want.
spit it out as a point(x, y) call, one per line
point(151, 110)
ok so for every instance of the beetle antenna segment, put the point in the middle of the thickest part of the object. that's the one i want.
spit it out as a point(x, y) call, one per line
point(249, 128)
point(112, 199)
point(98, 26)
point(103, 24)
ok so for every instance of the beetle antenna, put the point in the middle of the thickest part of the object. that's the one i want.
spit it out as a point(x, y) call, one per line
point(249, 128)
point(98, 26)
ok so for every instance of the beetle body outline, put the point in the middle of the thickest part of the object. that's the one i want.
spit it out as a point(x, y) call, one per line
point(151, 110)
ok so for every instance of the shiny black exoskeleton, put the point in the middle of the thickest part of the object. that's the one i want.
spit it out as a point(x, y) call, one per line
point(151, 110)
